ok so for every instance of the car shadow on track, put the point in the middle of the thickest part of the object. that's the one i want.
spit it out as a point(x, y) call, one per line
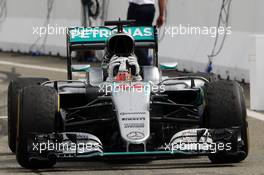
point(100, 166)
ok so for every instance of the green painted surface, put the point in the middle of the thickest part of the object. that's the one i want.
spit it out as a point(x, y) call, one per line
point(147, 153)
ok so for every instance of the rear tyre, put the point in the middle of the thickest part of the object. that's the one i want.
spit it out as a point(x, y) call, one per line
point(37, 112)
point(226, 109)
point(13, 89)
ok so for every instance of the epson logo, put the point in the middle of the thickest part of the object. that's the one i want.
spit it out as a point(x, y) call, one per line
point(133, 119)
point(132, 113)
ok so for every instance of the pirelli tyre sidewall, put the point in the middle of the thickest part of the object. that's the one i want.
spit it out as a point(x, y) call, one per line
point(38, 106)
point(13, 89)
point(225, 109)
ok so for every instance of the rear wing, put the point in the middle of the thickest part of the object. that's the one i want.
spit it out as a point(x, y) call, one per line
point(94, 38)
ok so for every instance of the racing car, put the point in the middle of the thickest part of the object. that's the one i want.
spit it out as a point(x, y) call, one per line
point(121, 109)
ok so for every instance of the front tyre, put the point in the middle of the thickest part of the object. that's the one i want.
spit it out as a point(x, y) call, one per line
point(37, 111)
point(15, 86)
point(226, 109)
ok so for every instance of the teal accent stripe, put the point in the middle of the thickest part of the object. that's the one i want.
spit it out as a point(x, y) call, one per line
point(163, 67)
point(80, 68)
point(135, 153)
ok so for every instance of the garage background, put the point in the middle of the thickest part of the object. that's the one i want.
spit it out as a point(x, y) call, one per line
point(16, 28)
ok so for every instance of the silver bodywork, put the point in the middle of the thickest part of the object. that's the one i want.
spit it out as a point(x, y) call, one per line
point(132, 98)
point(132, 110)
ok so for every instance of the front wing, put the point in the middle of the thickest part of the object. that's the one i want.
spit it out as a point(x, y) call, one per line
point(75, 145)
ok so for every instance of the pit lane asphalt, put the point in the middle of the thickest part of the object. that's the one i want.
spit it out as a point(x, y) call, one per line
point(254, 164)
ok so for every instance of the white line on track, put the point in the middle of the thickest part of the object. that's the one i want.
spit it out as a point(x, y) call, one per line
point(255, 115)
point(252, 114)
point(8, 63)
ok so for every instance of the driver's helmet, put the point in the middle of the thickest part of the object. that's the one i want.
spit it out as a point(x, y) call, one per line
point(121, 44)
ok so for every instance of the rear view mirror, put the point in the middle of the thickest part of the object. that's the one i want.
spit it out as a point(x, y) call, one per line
point(168, 66)
point(80, 68)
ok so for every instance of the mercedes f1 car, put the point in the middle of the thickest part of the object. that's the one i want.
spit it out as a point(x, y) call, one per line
point(122, 109)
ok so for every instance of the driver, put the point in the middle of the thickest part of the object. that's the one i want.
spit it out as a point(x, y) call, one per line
point(120, 60)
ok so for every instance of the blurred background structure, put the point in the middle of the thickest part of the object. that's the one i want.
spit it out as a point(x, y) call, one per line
point(238, 52)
